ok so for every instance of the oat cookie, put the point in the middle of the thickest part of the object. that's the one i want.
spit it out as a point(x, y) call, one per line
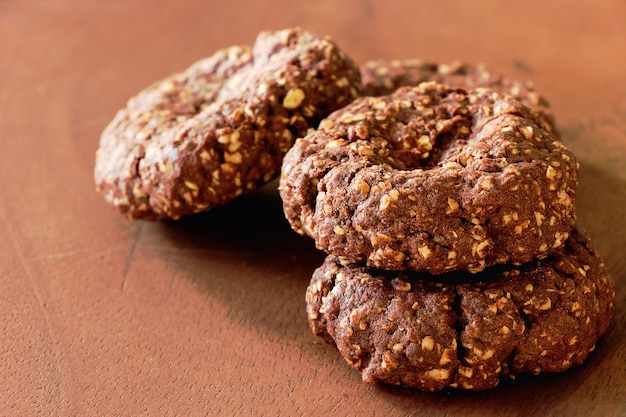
point(432, 178)
point(202, 137)
point(382, 77)
point(406, 328)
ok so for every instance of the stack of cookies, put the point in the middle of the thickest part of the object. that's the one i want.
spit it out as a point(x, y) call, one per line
point(442, 194)
point(444, 198)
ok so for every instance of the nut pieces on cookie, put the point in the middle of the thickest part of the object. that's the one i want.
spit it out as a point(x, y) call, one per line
point(220, 129)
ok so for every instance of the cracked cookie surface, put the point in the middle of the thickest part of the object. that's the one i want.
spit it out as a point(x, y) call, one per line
point(404, 328)
point(432, 178)
point(219, 129)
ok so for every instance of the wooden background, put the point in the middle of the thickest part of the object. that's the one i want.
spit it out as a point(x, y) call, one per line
point(103, 316)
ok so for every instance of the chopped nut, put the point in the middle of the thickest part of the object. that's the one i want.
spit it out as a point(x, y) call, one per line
point(342, 82)
point(424, 251)
point(466, 371)
point(204, 155)
point(437, 374)
point(388, 361)
point(447, 356)
point(384, 202)
point(379, 238)
point(335, 143)
point(465, 160)
point(364, 187)
point(398, 347)
point(493, 308)
point(452, 165)
point(539, 218)
point(478, 248)
point(488, 354)
point(527, 131)
point(325, 124)
point(293, 99)
point(401, 285)
point(487, 184)
point(191, 185)
point(452, 206)
point(564, 198)
point(428, 343)
point(234, 158)
point(424, 143)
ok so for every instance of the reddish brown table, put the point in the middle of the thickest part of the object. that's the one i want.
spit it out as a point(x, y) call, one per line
point(103, 316)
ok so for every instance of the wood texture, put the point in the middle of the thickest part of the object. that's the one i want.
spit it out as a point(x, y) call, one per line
point(103, 316)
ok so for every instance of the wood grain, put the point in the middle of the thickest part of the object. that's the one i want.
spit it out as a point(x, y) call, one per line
point(103, 316)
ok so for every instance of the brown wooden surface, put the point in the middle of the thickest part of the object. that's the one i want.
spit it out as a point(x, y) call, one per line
point(103, 316)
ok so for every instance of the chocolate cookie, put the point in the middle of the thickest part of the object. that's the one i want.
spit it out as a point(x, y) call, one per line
point(382, 77)
point(432, 178)
point(406, 328)
point(219, 129)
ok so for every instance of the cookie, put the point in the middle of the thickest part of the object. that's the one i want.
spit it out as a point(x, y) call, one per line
point(381, 77)
point(220, 129)
point(404, 328)
point(432, 178)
